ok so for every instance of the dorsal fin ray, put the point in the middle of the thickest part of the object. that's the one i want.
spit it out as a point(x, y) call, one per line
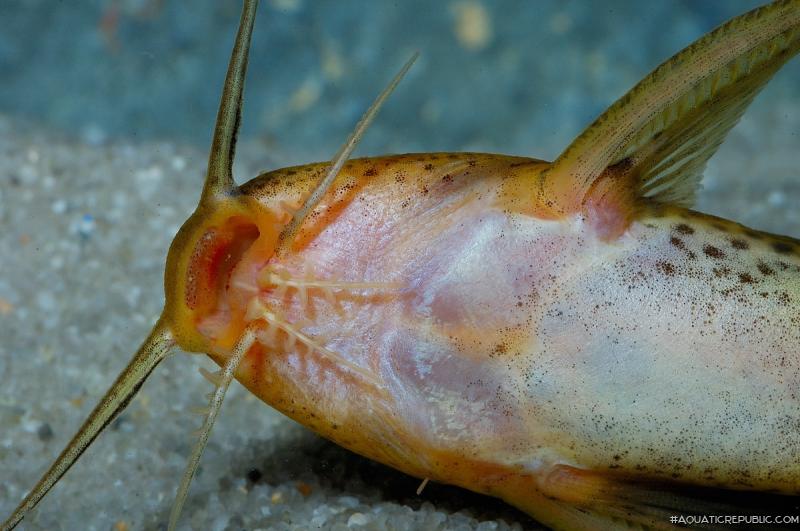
point(219, 176)
point(659, 136)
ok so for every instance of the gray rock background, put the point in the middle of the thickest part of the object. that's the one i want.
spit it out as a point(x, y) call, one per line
point(106, 110)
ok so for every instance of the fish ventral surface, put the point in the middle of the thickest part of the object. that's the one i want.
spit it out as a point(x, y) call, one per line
point(567, 336)
point(505, 345)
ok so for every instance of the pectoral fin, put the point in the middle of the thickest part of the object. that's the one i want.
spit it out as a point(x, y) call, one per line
point(654, 142)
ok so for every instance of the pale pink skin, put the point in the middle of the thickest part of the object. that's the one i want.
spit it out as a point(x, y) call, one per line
point(520, 343)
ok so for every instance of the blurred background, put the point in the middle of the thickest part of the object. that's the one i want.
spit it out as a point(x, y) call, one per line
point(514, 76)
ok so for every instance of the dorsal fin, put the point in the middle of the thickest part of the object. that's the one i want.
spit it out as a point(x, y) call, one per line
point(655, 141)
point(219, 176)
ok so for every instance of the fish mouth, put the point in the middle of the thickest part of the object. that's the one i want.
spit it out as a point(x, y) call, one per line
point(226, 278)
point(212, 270)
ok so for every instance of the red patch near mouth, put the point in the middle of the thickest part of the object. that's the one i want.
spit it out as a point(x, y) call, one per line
point(214, 257)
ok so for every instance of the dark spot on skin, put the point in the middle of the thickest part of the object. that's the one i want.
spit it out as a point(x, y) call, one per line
point(667, 268)
point(472, 162)
point(713, 252)
point(500, 348)
point(254, 475)
point(683, 228)
point(746, 278)
point(623, 166)
point(739, 244)
point(429, 167)
point(371, 172)
point(447, 178)
point(782, 247)
point(784, 298)
point(765, 269)
point(721, 271)
point(677, 242)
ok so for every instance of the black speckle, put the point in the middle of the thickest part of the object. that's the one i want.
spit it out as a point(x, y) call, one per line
point(667, 268)
point(784, 298)
point(713, 252)
point(254, 475)
point(746, 278)
point(736, 243)
point(765, 269)
point(721, 271)
point(500, 348)
point(683, 228)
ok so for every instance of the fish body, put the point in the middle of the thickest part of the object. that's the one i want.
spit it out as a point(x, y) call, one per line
point(513, 345)
point(568, 336)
